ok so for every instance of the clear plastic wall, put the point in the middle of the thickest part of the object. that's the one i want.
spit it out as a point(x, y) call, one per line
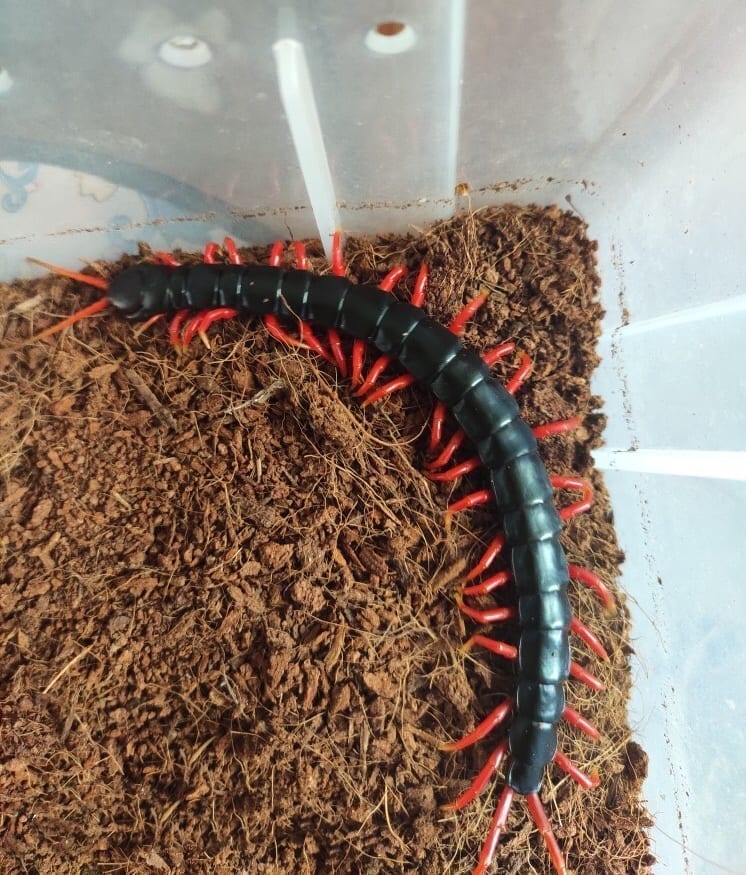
point(174, 122)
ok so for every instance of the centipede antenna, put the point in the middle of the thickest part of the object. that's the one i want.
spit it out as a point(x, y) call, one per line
point(90, 310)
point(95, 281)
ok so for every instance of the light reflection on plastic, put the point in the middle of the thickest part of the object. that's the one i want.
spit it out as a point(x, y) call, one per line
point(6, 82)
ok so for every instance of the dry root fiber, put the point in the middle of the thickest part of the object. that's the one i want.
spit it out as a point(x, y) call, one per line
point(229, 640)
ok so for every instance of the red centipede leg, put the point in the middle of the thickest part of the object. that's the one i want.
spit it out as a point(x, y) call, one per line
point(377, 368)
point(490, 585)
point(275, 253)
point(590, 638)
point(273, 326)
point(519, 377)
point(587, 782)
point(458, 324)
point(574, 718)
point(174, 328)
point(578, 507)
point(473, 499)
point(217, 314)
point(335, 345)
point(499, 648)
point(584, 676)
point(480, 782)
point(492, 356)
point(541, 821)
point(191, 327)
point(593, 582)
point(495, 718)
point(149, 323)
point(166, 258)
point(395, 385)
point(310, 341)
point(392, 277)
point(487, 616)
point(301, 255)
point(493, 550)
point(465, 467)
point(561, 426)
point(229, 244)
point(314, 344)
point(338, 263)
point(499, 819)
point(358, 347)
point(210, 253)
point(338, 269)
point(420, 287)
point(440, 411)
point(448, 451)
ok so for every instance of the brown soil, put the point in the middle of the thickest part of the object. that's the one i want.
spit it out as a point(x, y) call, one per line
point(229, 639)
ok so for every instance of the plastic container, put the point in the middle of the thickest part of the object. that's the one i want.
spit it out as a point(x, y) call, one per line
point(165, 122)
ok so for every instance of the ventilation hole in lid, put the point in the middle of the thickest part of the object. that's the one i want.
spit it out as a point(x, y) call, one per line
point(185, 51)
point(390, 38)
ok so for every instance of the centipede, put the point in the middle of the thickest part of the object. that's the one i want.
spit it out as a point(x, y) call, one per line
point(325, 313)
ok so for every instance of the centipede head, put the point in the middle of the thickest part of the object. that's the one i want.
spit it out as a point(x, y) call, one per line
point(91, 310)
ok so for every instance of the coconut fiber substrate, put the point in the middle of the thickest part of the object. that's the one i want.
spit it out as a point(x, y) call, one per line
point(229, 634)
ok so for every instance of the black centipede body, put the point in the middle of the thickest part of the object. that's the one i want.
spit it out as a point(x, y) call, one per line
point(483, 408)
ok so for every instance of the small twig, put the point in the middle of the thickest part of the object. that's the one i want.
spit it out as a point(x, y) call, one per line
point(149, 398)
point(67, 668)
point(261, 396)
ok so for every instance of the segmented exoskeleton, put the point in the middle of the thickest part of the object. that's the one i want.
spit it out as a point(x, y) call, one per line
point(488, 416)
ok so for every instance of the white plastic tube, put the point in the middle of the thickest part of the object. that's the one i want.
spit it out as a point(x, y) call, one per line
point(299, 103)
point(710, 464)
